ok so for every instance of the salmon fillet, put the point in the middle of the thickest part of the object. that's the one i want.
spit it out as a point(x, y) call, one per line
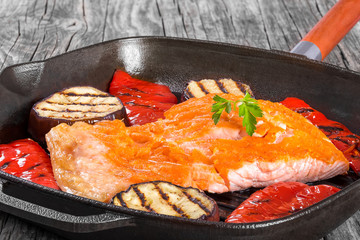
point(187, 149)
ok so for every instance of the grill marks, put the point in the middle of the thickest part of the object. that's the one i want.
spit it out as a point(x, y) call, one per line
point(142, 198)
point(222, 87)
point(198, 202)
point(138, 105)
point(4, 165)
point(83, 94)
point(166, 198)
point(144, 101)
point(203, 88)
point(197, 89)
point(33, 167)
point(82, 104)
point(78, 103)
point(330, 129)
point(304, 110)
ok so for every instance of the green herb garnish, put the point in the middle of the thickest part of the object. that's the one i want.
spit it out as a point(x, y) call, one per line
point(248, 108)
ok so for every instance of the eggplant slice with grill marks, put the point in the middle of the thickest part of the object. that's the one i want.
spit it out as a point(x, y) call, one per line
point(168, 199)
point(197, 89)
point(81, 103)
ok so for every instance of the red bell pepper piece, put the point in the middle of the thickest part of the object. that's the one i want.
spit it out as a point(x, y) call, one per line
point(144, 101)
point(279, 200)
point(26, 159)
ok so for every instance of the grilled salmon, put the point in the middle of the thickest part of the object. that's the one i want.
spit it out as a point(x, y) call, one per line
point(187, 149)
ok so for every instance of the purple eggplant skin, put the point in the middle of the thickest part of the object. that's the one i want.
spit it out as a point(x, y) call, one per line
point(148, 200)
point(39, 126)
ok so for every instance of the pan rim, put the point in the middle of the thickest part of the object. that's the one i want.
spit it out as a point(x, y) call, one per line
point(276, 52)
point(141, 214)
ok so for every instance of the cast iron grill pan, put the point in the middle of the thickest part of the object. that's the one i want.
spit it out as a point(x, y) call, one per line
point(272, 75)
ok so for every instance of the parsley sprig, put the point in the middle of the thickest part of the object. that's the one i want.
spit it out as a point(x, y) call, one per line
point(248, 108)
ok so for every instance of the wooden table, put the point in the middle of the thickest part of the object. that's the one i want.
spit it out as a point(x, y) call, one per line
point(37, 30)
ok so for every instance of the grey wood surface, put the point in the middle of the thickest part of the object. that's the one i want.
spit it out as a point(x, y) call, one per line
point(37, 30)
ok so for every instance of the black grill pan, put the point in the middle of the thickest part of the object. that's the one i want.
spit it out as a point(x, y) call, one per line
point(272, 75)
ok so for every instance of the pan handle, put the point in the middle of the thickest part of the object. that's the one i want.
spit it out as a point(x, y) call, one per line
point(328, 32)
point(97, 220)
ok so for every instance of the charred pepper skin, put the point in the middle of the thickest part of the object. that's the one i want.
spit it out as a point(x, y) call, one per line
point(279, 200)
point(144, 101)
point(27, 160)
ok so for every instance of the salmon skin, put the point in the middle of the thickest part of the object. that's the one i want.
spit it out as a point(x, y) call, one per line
point(279, 200)
point(340, 136)
point(144, 101)
point(187, 149)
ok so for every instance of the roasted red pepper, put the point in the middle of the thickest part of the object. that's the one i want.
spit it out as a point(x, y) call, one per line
point(279, 200)
point(144, 101)
point(340, 136)
point(26, 159)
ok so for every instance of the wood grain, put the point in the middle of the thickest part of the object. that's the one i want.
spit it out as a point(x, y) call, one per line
point(37, 30)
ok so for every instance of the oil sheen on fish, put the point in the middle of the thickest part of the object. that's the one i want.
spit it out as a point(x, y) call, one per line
point(187, 149)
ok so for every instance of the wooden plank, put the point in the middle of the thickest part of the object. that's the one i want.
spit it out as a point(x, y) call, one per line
point(248, 23)
point(132, 18)
point(174, 19)
point(347, 230)
point(277, 20)
point(42, 29)
point(12, 34)
point(92, 22)
point(13, 228)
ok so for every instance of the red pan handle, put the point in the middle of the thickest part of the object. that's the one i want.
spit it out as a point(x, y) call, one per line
point(328, 32)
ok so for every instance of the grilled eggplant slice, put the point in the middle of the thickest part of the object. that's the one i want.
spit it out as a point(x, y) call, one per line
point(82, 103)
point(200, 88)
point(168, 199)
